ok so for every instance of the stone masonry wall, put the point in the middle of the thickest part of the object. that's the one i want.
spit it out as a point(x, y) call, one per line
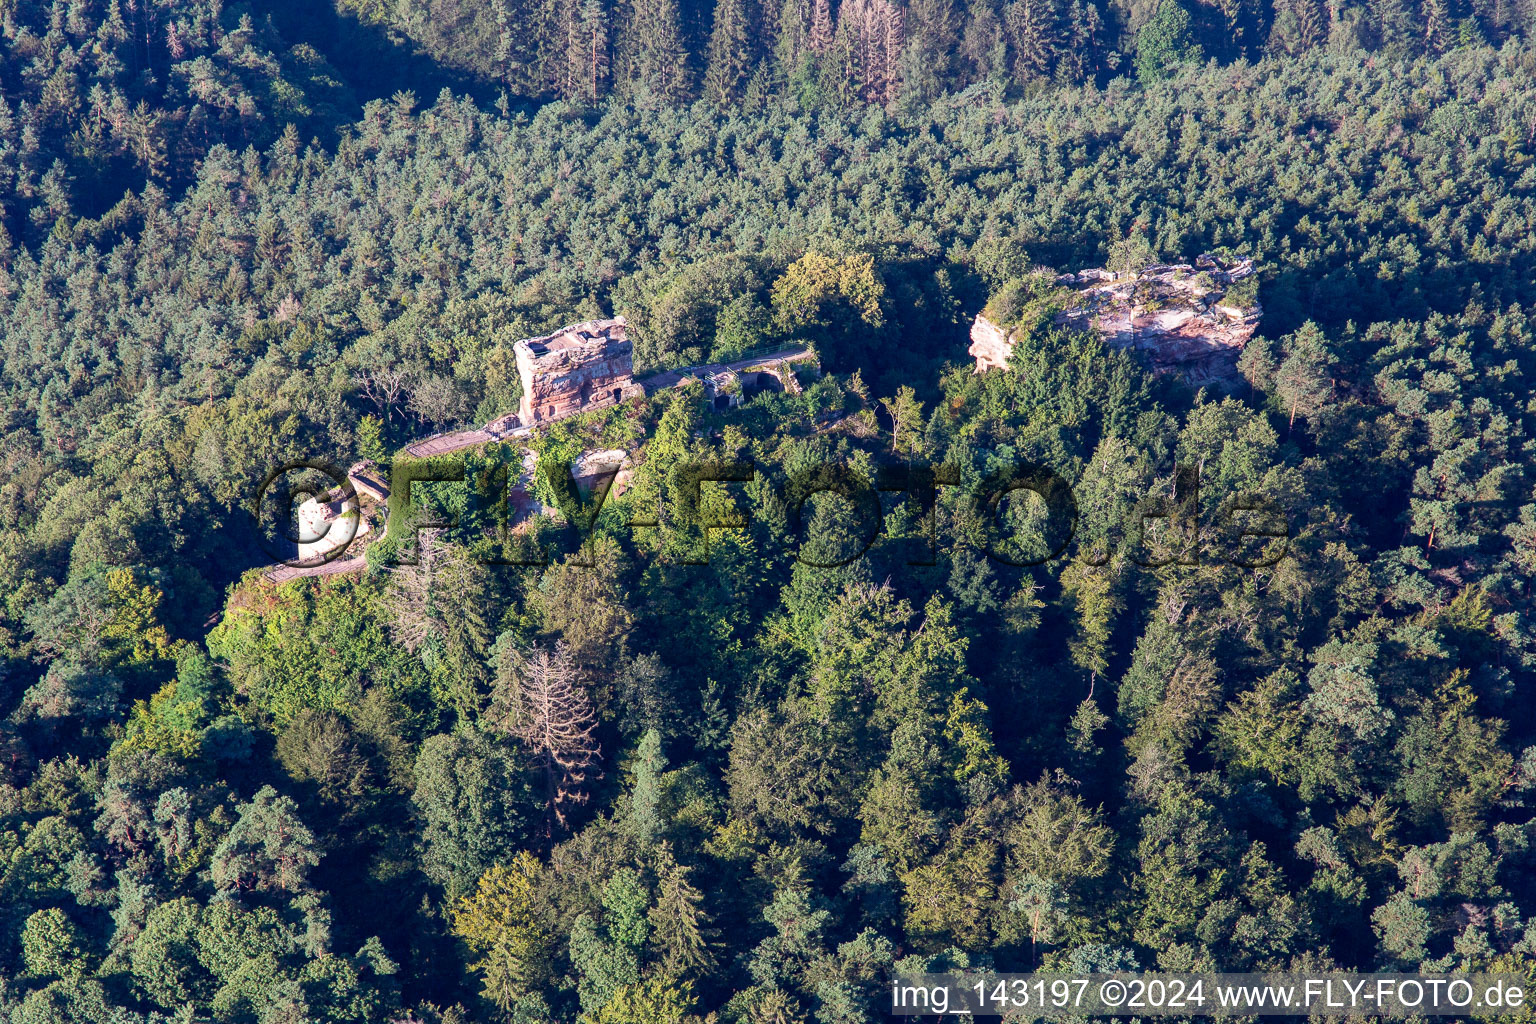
point(585, 366)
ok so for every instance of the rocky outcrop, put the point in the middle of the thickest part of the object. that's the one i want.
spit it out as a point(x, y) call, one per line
point(990, 345)
point(1172, 314)
point(581, 367)
point(591, 468)
point(1177, 316)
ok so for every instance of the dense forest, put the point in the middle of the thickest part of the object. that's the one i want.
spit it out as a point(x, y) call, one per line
point(677, 773)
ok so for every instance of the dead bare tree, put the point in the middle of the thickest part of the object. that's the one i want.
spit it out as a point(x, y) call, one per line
point(383, 387)
point(538, 698)
point(412, 618)
point(821, 26)
point(874, 37)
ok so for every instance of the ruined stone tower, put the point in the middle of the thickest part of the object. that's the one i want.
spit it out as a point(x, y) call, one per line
point(577, 368)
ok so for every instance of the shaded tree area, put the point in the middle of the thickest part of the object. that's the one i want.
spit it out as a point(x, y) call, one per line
point(105, 100)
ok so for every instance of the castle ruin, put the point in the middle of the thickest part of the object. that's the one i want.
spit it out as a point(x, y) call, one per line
point(578, 368)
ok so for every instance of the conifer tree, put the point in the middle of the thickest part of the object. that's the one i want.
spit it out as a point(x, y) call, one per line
point(730, 53)
point(1078, 55)
point(1097, 603)
point(582, 72)
point(1032, 30)
point(1304, 381)
point(794, 35)
point(1394, 21)
point(678, 917)
point(1234, 13)
point(1299, 25)
point(932, 38)
point(522, 43)
point(268, 848)
point(644, 800)
point(1436, 17)
point(657, 55)
point(1166, 42)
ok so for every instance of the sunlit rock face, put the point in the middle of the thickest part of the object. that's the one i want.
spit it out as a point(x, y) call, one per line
point(1178, 317)
point(990, 347)
point(1174, 315)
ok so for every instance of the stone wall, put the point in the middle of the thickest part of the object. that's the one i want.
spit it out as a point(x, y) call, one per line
point(577, 368)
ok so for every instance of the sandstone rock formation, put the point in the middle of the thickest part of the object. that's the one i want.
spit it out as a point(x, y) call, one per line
point(990, 347)
point(1172, 314)
point(592, 467)
point(581, 367)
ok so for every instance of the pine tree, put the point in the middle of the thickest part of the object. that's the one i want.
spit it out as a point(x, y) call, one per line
point(268, 848)
point(1304, 381)
point(1043, 906)
point(1311, 22)
point(794, 35)
point(1394, 21)
point(933, 37)
point(730, 53)
point(657, 56)
point(1031, 28)
point(1078, 57)
point(522, 44)
point(1436, 17)
point(581, 73)
point(1097, 603)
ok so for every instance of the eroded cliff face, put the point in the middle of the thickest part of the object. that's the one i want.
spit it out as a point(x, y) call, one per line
point(1178, 317)
point(990, 347)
